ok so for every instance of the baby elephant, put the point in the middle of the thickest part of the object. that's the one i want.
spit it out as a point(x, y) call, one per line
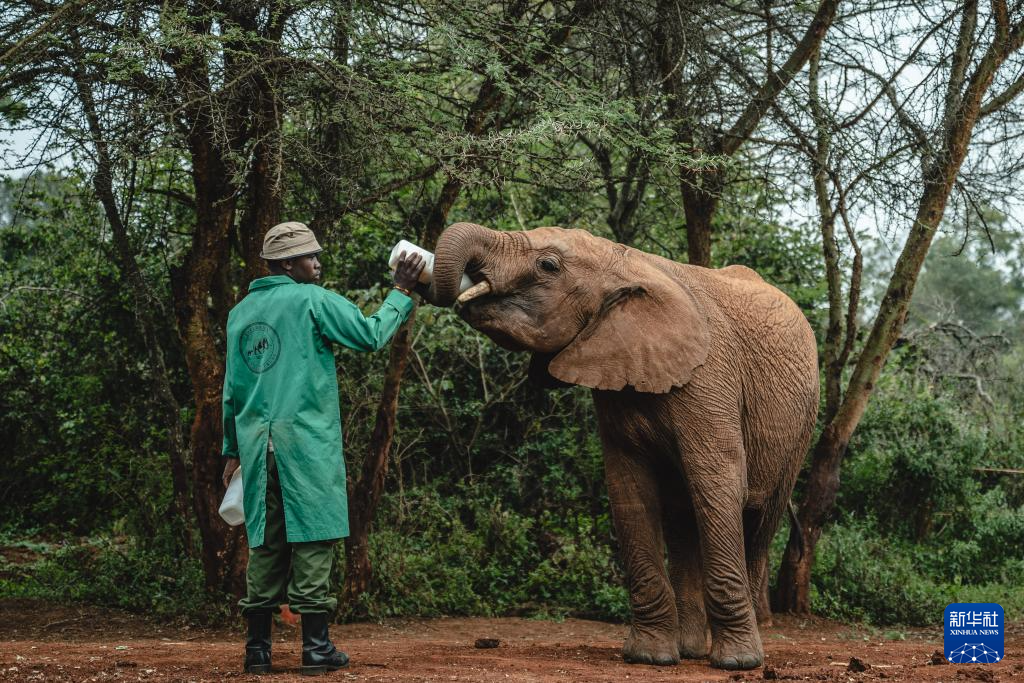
point(706, 389)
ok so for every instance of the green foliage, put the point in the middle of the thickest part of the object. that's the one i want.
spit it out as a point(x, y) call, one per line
point(863, 575)
point(912, 463)
point(468, 554)
point(85, 453)
point(860, 576)
point(978, 284)
point(497, 503)
point(921, 522)
point(786, 256)
point(117, 573)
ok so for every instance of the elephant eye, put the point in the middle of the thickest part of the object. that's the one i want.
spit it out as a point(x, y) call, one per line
point(549, 264)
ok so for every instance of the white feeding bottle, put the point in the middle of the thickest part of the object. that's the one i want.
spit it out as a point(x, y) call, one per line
point(428, 263)
point(231, 509)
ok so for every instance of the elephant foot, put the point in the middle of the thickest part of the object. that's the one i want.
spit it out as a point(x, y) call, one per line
point(694, 641)
point(646, 646)
point(743, 651)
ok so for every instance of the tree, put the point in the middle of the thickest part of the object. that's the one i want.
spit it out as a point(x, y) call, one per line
point(972, 284)
point(524, 43)
point(717, 96)
point(979, 51)
point(142, 296)
point(199, 81)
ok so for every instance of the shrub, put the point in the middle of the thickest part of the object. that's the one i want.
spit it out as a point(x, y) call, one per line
point(122, 575)
point(469, 554)
point(861, 576)
point(911, 464)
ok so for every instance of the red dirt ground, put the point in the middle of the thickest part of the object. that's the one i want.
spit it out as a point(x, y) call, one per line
point(41, 642)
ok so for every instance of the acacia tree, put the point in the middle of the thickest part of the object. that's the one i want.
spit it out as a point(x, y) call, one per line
point(717, 96)
point(969, 55)
point(199, 81)
point(143, 300)
point(512, 45)
point(224, 59)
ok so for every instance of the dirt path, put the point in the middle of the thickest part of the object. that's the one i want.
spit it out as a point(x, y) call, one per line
point(48, 643)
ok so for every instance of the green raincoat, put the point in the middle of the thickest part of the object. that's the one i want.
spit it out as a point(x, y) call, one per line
point(281, 381)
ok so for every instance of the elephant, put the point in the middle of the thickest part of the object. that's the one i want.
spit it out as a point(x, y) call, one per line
point(705, 386)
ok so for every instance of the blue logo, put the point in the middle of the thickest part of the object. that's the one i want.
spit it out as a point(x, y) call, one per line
point(973, 633)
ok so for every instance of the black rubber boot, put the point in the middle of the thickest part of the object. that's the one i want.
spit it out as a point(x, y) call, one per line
point(257, 648)
point(318, 652)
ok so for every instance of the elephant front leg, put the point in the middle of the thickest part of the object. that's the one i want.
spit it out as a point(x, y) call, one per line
point(718, 501)
point(636, 513)
point(684, 570)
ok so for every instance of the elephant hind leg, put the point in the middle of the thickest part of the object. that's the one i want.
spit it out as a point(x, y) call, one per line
point(758, 529)
point(684, 569)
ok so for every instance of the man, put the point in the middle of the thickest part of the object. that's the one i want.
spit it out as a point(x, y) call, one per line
point(282, 424)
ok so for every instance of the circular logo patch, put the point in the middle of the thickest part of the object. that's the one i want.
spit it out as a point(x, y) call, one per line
point(260, 347)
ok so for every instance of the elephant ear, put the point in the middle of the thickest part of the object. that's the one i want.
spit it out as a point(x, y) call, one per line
point(650, 336)
point(539, 375)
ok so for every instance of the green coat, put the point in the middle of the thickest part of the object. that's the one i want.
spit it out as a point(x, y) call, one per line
point(281, 381)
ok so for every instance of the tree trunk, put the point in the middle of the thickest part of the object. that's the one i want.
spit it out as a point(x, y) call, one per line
point(793, 592)
point(143, 308)
point(221, 543)
point(223, 546)
point(332, 131)
point(832, 360)
point(483, 115)
point(249, 112)
point(263, 206)
point(701, 192)
point(795, 571)
point(625, 192)
point(364, 495)
point(265, 114)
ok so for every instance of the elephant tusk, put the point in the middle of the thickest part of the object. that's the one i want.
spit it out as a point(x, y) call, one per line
point(479, 289)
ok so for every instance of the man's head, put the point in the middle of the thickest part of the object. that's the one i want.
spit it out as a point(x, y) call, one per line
point(291, 249)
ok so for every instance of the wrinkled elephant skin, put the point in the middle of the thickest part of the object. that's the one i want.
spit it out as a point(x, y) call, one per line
point(705, 384)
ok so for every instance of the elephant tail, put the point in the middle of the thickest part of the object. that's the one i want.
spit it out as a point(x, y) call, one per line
point(796, 532)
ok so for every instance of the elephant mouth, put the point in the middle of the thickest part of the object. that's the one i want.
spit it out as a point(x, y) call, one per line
point(502, 339)
point(474, 308)
point(484, 315)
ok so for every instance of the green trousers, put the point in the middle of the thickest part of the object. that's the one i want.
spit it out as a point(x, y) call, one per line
point(282, 572)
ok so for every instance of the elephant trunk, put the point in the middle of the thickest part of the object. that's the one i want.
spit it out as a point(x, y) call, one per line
point(461, 244)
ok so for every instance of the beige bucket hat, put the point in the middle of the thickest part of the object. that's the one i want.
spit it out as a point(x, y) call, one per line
point(289, 240)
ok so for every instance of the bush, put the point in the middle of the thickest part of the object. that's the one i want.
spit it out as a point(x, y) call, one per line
point(468, 554)
point(911, 464)
point(861, 576)
point(122, 575)
point(921, 522)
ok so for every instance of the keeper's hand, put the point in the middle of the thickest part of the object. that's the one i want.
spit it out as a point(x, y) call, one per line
point(230, 465)
point(408, 269)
